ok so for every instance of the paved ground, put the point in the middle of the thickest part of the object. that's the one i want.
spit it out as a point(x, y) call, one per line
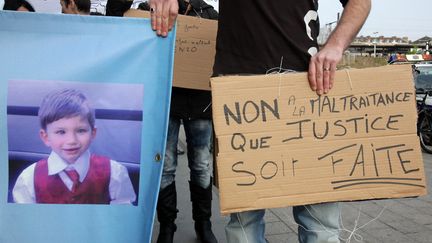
point(407, 220)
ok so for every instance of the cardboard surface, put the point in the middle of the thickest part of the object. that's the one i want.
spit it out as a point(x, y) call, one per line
point(194, 52)
point(279, 144)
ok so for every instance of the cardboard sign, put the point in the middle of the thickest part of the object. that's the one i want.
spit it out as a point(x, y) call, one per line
point(279, 144)
point(194, 51)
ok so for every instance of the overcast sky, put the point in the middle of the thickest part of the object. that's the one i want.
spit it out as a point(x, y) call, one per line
point(411, 18)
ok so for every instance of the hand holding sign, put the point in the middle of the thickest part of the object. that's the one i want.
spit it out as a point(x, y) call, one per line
point(163, 15)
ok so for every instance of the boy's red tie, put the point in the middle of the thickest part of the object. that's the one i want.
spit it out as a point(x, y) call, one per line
point(74, 176)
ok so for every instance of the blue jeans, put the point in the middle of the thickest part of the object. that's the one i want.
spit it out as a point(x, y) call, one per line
point(199, 134)
point(318, 223)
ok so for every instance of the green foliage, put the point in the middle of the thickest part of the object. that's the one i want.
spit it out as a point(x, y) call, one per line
point(414, 50)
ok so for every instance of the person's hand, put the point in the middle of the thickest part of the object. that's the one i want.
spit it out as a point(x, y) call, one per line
point(322, 67)
point(163, 15)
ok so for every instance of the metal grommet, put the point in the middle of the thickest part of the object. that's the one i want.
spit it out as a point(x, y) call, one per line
point(158, 157)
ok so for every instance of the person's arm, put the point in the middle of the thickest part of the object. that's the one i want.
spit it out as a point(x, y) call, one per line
point(322, 66)
point(163, 14)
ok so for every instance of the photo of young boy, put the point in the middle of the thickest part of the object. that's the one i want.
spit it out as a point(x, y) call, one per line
point(71, 174)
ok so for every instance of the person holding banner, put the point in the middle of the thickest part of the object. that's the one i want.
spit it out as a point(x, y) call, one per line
point(71, 174)
point(163, 14)
point(192, 107)
point(258, 37)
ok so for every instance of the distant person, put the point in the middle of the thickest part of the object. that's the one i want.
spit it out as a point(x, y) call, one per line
point(81, 7)
point(18, 5)
point(391, 58)
point(71, 174)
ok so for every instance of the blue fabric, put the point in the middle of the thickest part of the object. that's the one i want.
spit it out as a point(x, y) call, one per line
point(318, 223)
point(98, 50)
point(199, 145)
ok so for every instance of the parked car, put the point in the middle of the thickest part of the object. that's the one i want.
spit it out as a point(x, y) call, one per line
point(422, 74)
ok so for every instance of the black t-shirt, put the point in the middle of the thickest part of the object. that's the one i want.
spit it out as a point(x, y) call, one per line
point(255, 36)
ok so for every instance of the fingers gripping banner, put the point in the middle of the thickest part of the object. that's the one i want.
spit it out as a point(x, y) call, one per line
point(83, 104)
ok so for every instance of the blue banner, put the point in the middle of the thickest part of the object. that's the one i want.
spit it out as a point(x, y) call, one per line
point(86, 94)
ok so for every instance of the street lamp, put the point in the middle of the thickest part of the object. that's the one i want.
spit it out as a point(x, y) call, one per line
point(375, 42)
point(427, 47)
